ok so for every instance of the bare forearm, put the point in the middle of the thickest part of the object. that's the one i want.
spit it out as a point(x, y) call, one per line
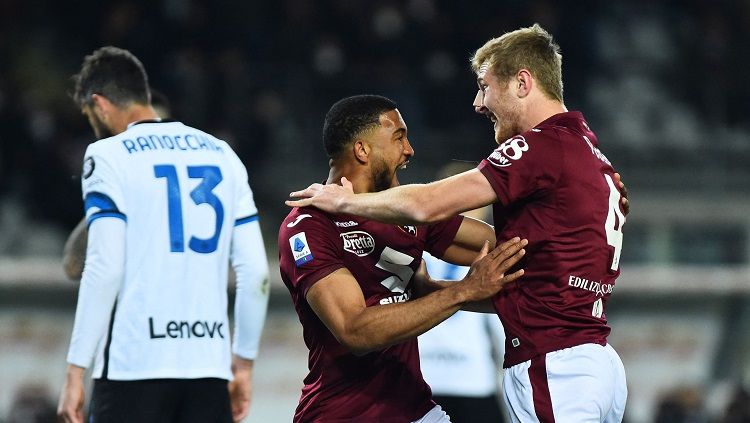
point(378, 327)
point(403, 205)
point(74, 252)
point(428, 287)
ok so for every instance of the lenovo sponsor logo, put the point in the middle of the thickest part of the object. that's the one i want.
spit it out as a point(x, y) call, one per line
point(186, 329)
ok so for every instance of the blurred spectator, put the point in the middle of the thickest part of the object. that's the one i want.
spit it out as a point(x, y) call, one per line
point(683, 405)
point(738, 410)
point(32, 404)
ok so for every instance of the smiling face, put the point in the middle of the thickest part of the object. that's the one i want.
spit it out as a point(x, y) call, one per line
point(391, 150)
point(496, 99)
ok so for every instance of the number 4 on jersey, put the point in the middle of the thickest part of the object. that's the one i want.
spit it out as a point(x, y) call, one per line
point(614, 222)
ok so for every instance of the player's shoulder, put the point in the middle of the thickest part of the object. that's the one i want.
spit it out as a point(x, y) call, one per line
point(559, 128)
point(104, 146)
point(305, 217)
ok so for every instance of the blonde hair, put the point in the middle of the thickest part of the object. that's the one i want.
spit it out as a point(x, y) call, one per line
point(529, 48)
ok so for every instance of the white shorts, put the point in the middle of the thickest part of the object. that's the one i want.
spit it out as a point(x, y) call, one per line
point(582, 384)
point(435, 415)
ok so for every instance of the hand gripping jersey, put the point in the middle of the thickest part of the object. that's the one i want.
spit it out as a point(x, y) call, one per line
point(384, 385)
point(556, 189)
point(182, 194)
point(457, 356)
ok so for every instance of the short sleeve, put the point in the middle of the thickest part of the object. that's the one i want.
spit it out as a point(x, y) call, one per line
point(523, 166)
point(440, 235)
point(245, 209)
point(309, 248)
point(101, 186)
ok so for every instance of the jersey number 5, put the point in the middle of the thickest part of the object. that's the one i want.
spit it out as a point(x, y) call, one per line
point(397, 263)
point(614, 222)
point(210, 176)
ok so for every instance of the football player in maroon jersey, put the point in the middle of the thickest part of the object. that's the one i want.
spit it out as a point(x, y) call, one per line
point(548, 182)
point(351, 279)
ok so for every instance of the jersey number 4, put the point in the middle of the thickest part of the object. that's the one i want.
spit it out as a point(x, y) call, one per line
point(210, 177)
point(613, 224)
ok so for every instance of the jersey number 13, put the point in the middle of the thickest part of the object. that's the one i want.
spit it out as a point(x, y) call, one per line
point(209, 176)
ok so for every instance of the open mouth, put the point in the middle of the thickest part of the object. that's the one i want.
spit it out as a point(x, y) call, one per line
point(493, 119)
point(403, 165)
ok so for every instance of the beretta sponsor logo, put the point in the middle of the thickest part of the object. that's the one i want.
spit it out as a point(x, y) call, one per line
point(358, 242)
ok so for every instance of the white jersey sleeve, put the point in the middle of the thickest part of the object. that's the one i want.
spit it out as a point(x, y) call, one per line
point(102, 188)
point(251, 302)
point(102, 275)
point(248, 256)
point(105, 256)
point(245, 211)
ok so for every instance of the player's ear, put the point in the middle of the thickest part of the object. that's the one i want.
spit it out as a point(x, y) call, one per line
point(524, 82)
point(101, 105)
point(361, 151)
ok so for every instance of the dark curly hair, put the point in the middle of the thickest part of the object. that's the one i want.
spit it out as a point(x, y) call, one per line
point(114, 73)
point(351, 116)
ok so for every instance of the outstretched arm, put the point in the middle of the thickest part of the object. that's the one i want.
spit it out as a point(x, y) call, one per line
point(74, 252)
point(338, 300)
point(415, 204)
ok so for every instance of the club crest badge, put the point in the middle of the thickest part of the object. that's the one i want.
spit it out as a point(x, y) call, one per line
point(88, 167)
point(411, 230)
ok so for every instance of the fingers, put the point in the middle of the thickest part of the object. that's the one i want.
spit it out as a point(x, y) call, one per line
point(509, 248)
point(307, 192)
point(508, 261)
point(347, 184)
point(512, 276)
point(483, 252)
point(70, 416)
point(623, 192)
point(507, 244)
point(299, 203)
point(239, 414)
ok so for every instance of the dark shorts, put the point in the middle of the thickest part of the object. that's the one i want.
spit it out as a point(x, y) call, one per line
point(471, 410)
point(161, 401)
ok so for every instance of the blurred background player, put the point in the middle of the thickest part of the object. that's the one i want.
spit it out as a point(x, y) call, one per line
point(461, 358)
point(166, 205)
point(351, 279)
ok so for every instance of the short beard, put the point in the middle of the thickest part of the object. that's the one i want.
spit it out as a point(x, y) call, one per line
point(100, 129)
point(505, 133)
point(381, 176)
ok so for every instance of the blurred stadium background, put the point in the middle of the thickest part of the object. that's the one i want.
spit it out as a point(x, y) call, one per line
point(663, 83)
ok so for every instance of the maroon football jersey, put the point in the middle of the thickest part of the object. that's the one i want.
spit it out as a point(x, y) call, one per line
point(556, 189)
point(385, 385)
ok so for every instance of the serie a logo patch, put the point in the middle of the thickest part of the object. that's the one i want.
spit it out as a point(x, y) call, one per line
point(300, 249)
